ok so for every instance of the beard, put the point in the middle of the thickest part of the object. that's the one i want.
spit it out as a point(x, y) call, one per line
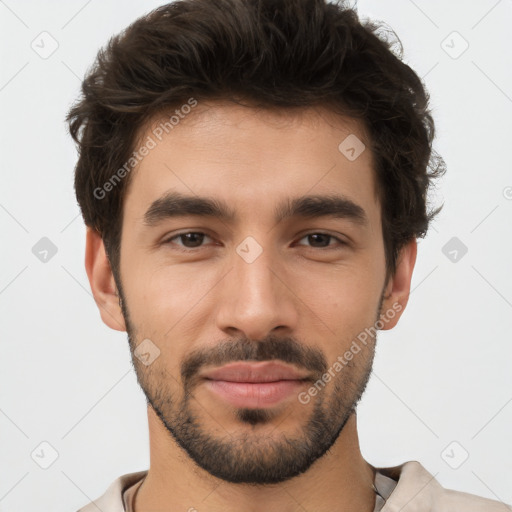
point(247, 456)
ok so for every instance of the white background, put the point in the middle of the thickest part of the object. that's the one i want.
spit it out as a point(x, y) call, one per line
point(442, 375)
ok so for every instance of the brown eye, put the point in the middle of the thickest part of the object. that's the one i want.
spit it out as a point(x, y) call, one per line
point(189, 240)
point(321, 240)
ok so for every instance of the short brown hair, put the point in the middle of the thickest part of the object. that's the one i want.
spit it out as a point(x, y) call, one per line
point(277, 54)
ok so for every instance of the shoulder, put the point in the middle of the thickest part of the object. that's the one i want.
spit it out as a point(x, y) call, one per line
point(112, 499)
point(417, 490)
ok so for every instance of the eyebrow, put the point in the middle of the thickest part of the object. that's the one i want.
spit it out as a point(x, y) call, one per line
point(175, 204)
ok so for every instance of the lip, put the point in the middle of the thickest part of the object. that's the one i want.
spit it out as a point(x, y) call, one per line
point(254, 385)
point(264, 371)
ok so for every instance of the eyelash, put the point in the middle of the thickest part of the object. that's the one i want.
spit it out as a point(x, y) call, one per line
point(193, 249)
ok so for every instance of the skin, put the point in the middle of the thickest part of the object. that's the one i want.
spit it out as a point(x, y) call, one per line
point(320, 298)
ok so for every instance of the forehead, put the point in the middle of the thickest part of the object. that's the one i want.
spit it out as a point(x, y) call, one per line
point(250, 156)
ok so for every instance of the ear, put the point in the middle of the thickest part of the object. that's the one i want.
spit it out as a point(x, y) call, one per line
point(396, 294)
point(102, 281)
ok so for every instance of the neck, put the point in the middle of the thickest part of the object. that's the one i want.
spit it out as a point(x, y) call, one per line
point(341, 480)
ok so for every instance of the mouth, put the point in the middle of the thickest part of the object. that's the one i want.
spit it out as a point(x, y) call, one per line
point(255, 385)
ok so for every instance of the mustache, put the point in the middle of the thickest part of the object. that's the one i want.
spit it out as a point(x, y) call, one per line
point(269, 349)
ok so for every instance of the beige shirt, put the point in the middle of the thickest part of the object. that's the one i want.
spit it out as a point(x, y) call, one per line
point(405, 488)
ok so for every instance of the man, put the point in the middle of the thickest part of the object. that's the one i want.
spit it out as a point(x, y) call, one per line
point(253, 177)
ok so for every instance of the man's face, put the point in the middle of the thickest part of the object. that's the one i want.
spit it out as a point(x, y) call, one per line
point(295, 289)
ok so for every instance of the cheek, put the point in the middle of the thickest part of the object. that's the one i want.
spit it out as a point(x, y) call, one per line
point(168, 304)
point(160, 290)
point(347, 308)
point(345, 299)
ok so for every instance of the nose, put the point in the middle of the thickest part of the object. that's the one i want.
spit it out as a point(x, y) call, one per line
point(256, 298)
